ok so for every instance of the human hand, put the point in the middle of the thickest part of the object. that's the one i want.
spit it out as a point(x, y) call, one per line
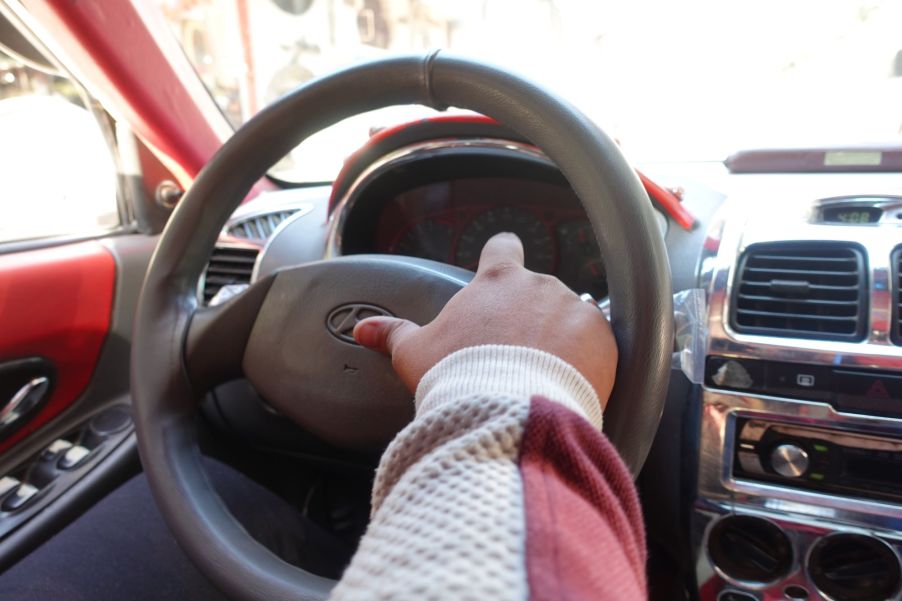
point(504, 304)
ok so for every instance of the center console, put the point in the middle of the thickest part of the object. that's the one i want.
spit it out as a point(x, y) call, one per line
point(800, 458)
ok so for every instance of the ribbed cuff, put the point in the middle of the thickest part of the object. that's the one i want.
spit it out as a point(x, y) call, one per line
point(512, 370)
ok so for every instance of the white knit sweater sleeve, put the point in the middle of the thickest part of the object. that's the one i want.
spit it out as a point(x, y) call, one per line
point(448, 516)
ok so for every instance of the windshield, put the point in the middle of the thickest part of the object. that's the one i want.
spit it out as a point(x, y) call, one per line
point(690, 80)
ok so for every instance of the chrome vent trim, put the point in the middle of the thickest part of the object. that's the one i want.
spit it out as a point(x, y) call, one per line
point(896, 285)
point(229, 264)
point(807, 289)
point(258, 227)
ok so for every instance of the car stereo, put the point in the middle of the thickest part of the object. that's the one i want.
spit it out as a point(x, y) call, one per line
point(827, 460)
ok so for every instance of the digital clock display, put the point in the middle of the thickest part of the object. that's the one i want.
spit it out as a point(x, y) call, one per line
point(852, 215)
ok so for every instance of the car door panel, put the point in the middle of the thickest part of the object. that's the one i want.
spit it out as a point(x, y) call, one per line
point(107, 384)
point(55, 305)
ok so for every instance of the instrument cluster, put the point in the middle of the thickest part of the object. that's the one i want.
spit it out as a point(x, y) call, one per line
point(451, 220)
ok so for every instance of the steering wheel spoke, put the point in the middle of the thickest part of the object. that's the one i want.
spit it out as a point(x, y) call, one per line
point(217, 337)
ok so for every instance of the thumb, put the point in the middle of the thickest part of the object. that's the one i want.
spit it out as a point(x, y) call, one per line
point(383, 334)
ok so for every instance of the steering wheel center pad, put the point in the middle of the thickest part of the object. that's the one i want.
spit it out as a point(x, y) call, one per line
point(311, 371)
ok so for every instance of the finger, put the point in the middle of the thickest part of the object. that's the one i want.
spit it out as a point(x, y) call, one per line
point(383, 334)
point(501, 249)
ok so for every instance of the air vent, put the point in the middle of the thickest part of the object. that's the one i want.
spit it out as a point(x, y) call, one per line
point(228, 265)
point(801, 290)
point(897, 295)
point(259, 227)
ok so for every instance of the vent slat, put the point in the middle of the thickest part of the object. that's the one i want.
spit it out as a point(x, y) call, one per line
point(803, 290)
point(233, 260)
point(801, 301)
point(802, 259)
point(852, 318)
point(823, 287)
point(227, 266)
point(228, 270)
point(803, 271)
point(259, 227)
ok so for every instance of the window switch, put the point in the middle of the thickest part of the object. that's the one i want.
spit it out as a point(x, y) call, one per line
point(53, 451)
point(7, 483)
point(73, 457)
point(22, 495)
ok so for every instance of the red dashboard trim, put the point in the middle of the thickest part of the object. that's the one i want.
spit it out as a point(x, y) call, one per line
point(663, 198)
point(56, 303)
point(668, 202)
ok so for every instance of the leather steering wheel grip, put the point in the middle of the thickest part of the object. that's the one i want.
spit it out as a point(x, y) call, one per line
point(164, 398)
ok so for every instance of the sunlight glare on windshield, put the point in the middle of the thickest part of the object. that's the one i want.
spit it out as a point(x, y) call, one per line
point(691, 80)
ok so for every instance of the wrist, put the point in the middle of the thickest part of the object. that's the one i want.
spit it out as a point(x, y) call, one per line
point(516, 371)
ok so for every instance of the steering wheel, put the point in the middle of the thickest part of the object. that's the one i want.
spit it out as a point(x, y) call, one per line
point(280, 334)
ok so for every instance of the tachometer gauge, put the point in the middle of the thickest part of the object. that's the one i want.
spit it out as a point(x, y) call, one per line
point(581, 267)
point(591, 278)
point(538, 244)
point(429, 239)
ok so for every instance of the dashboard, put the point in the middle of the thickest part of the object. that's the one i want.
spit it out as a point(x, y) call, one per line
point(777, 475)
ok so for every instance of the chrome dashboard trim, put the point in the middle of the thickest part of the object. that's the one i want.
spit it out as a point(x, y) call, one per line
point(747, 585)
point(892, 548)
point(741, 222)
point(804, 533)
point(408, 154)
point(740, 231)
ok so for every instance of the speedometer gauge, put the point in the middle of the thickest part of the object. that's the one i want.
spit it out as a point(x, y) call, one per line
point(429, 239)
point(538, 244)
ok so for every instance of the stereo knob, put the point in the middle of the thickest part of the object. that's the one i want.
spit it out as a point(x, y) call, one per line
point(789, 460)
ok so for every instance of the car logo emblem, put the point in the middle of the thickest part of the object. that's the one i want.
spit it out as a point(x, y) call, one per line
point(341, 320)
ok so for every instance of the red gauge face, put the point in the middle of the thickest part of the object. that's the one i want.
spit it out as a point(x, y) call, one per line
point(581, 267)
point(538, 243)
point(451, 220)
point(429, 239)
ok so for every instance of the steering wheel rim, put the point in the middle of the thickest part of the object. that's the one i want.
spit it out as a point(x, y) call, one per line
point(165, 397)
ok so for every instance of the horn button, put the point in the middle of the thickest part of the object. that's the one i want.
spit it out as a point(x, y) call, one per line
point(301, 355)
point(342, 319)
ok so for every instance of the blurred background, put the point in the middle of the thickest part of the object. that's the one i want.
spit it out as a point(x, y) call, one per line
point(672, 80)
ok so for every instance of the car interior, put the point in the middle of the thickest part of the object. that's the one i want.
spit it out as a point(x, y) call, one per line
point(174, 296)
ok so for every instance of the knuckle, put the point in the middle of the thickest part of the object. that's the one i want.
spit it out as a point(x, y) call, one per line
point(499, 270)
point(547, 280)
point(392, 338)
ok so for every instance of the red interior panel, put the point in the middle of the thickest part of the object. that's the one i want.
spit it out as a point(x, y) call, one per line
point(56, 303)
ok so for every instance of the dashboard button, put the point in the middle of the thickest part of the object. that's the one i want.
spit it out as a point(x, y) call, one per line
point(867, 392)
point(73, 457)
point(7, 483)
point(19, 497)
point(789, 460)
point(736, 374)
point(798, 380)
point(54, 450)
